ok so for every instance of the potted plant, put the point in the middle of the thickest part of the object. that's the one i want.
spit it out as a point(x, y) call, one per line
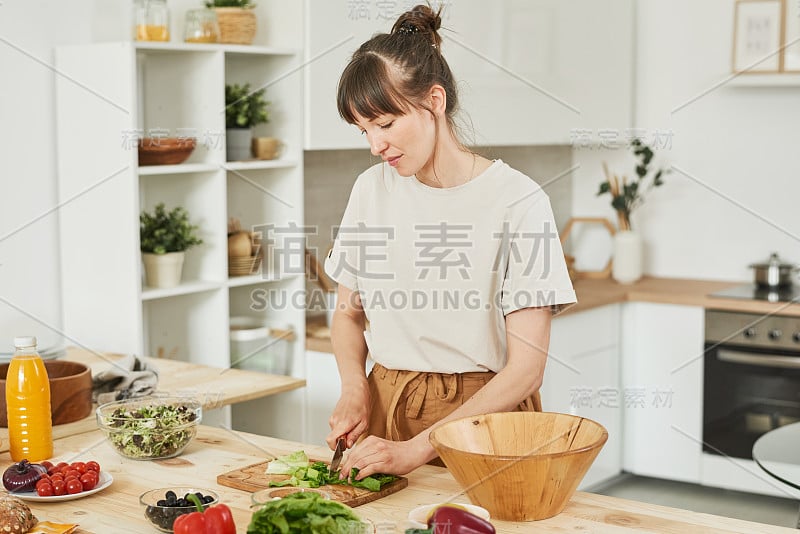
point(236, 20)
point(163, 239)
point(625, 197)
point(243, 110)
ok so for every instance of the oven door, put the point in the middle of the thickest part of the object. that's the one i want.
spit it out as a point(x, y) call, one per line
point(747, 392)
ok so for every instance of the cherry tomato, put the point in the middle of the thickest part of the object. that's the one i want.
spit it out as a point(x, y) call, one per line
point(80, 467)
point(56, 476)
point(88, 481)
point(72, 473)
point(93, 466)
point(60, 465)
point(47, 465)
point(59, 487)
point(74, 486)
point(44, 490)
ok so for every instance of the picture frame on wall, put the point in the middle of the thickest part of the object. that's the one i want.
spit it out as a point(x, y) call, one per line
point(791, 36)
point(757, 36)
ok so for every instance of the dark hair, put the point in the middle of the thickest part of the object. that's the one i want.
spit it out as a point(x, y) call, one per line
point(393, 72)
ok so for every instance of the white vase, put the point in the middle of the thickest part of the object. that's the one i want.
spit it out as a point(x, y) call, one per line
point(237, 144)
point(163, 270)
point(627, 266)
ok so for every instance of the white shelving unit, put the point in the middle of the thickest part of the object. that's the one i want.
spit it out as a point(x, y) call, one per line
point(784, 79)
point(110, 93)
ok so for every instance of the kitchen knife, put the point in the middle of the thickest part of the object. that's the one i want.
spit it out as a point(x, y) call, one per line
point(338, 452)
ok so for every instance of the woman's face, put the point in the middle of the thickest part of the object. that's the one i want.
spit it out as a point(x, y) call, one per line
point(406, 142)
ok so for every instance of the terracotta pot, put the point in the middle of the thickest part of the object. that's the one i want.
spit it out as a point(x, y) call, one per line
point(70, 391)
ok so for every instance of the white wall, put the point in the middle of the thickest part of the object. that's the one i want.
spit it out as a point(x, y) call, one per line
point(739, 146)
point(29, 255)
point(741, 143)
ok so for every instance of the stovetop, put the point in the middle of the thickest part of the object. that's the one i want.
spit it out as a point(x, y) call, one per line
point(754, 292)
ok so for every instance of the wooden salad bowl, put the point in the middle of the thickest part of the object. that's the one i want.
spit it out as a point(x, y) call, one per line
point(70, 391)
point(520, 466)
point(165, 150)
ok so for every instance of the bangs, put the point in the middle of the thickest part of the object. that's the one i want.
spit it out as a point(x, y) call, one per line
point(368, 89)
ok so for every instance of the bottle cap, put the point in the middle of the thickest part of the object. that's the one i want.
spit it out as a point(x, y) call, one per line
point(24, 341)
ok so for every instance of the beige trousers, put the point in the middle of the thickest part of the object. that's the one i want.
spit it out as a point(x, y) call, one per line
point(404, 403)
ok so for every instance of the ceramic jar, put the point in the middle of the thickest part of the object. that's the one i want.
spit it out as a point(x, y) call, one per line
point(627, 266)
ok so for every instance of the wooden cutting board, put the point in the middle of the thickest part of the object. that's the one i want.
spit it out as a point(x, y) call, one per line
point(253, 478)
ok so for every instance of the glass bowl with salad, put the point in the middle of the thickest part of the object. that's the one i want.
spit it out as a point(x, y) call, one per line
point(150, 428)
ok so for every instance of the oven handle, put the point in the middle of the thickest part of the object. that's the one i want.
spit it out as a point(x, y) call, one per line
point(765, 360)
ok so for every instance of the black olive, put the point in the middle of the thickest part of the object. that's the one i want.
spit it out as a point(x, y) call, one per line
point(162, 502)
point(170, 495)
point(208, 499)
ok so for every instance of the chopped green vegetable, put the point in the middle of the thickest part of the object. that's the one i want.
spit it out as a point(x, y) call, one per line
point(314, 475)
point(152, 431)
point(285, 465)
point(303, 513)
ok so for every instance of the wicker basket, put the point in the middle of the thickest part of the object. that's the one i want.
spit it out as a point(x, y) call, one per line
point(236, 25)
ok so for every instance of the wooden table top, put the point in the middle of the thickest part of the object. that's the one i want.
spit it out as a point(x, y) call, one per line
point(214, 451)
point(213, 386)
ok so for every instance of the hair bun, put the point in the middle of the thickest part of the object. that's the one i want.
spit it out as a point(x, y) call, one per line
point(420, 19)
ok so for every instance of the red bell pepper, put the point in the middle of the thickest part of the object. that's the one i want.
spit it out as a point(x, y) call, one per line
point(451, 520)
point(214, 520)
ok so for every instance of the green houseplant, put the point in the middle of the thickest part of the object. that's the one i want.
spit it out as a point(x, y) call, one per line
point(164, 236)
point(244, 109)
point(631, 195)
point(625, 197)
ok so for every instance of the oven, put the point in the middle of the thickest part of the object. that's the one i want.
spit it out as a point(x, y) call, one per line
point(751, 379)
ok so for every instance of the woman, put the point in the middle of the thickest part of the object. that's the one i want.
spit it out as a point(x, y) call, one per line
point(452, 258)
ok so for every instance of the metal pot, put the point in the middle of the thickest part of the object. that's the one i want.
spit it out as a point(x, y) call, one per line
point(774, 273)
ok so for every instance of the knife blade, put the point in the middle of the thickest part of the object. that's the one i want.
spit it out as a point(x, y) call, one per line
point(338, 452)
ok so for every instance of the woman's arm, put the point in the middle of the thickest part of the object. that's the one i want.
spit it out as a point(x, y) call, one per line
point(351, 414)
point(528, 338)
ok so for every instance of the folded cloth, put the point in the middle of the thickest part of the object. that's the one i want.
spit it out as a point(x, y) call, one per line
point(128, 377)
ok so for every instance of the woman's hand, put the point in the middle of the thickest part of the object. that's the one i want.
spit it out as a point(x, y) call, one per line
point(351, 415)
point(377, 455)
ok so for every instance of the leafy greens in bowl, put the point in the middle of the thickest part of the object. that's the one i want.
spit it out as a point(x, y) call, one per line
point(150, 428)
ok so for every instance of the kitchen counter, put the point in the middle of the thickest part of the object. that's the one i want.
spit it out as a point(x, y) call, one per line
point(600, 292)
point(214, 387)
point(215, 451)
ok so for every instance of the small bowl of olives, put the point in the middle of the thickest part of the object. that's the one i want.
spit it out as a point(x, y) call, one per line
point(163, 505)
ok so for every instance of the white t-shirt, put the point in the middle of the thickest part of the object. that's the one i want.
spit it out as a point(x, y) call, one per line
point(437, 269)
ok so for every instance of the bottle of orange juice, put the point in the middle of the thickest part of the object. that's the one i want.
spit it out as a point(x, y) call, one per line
point(30, 428)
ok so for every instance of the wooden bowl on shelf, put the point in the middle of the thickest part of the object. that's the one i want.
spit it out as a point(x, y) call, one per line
point(165, 150)
point(521, 466)
point(243, 265)
point(70, 391)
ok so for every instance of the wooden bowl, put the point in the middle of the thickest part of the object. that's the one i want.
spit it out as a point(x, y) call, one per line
point(521, 466)
point(165, 150)
point(70, 391)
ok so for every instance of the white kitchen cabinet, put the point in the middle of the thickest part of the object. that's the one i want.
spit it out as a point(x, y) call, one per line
point(108, 94)
point(582, 378)
point(528, 71)
point(662, 378)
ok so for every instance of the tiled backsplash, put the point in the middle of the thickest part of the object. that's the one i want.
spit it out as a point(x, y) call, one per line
point(330, 174)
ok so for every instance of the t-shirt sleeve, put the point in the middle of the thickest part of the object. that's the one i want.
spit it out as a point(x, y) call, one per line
point(536, 274)
point(342, 261)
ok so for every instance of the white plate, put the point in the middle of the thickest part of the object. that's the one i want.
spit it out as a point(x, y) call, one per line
point(418, 517)
point(103, 482)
